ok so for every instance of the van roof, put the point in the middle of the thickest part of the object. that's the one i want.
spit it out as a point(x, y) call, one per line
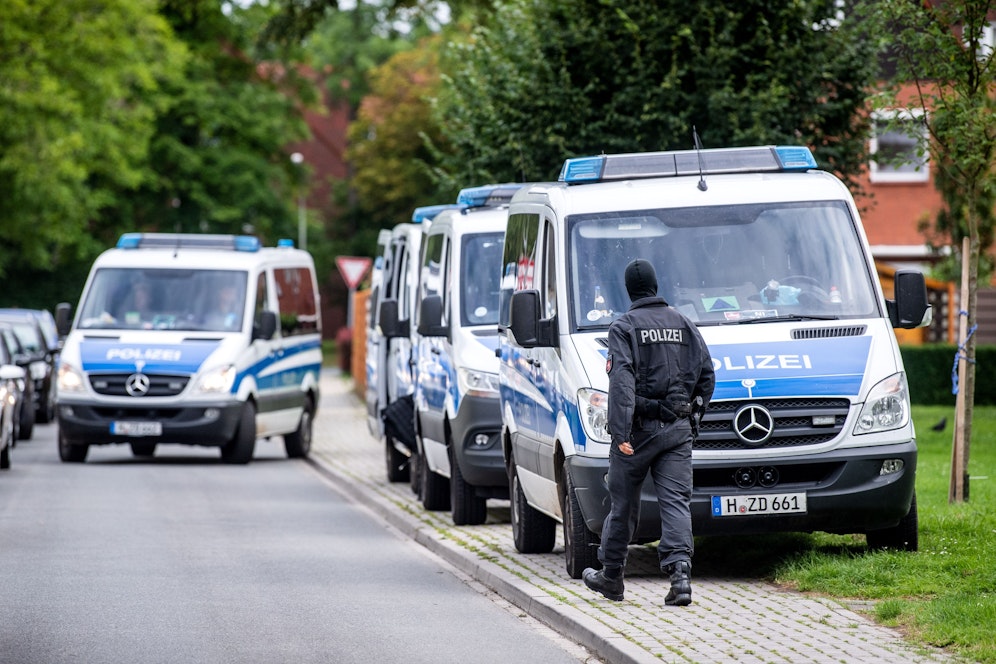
point(191, 250)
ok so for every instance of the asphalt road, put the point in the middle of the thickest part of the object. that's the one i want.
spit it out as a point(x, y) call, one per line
point(180, 558)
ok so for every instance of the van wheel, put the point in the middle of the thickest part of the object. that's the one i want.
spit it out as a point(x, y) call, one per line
point(72, 453)
point(904, 536)
point(532, 531)
point(415, 474)
point(27, 420)
point(580, 544)
point(240, 449)
point(398, 469)
point(298, 443)
point(434, 489)
point(5, 457)
point(143, 449)
point(468, 508)
point(47, 412)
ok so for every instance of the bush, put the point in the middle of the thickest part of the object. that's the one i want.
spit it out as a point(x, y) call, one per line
point(929, 367)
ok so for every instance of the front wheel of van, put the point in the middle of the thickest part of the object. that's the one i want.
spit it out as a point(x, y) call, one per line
point(468, 508)
point(434, 489)
point(580, 544)
point(298, 443)
point(398, 468)
point(904, 536)
point(71, 453)
point(240, 449)
point(532, 531)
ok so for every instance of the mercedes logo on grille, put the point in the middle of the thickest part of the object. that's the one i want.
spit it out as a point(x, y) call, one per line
point(137, 385)
point(753, 425)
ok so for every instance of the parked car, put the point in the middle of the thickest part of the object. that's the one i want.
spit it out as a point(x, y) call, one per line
point(42, 345)
point(24, 398)
point(12, 377)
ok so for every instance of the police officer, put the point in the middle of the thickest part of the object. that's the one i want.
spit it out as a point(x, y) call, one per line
point(660, 379)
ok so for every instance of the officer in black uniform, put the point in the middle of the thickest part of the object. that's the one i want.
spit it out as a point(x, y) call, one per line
point(660, 380)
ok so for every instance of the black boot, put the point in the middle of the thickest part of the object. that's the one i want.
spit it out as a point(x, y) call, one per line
point(608, 581)
point(681, 584)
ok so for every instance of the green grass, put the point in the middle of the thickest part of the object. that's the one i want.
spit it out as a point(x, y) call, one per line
point(944, 594)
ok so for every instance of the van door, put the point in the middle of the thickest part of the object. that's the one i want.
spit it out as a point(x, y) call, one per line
point(434, 361)
point(376, 345)
point(547, 365)
point(399, 354)
point(264, 352)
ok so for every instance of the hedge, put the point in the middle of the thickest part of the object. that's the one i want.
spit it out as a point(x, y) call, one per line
point(928, 370)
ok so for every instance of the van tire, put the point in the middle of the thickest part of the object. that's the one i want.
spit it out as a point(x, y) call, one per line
point(434, 489)
point(46, 413)
point(243, 444)
point(468, 508)
point(580, 544)
point(396, 462)
point(904, 536)
point(298, 443)
point(71, 452)
point(532, 531)
point(27, 421)
point(414, 476)
point(5, 457)
point(143, 449)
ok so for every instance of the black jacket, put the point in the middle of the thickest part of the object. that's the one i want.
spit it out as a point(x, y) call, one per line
point(657, 353)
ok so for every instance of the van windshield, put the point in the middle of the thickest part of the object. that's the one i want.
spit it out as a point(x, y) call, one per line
point(724, 264)
point(479, 277)
point(151, 299)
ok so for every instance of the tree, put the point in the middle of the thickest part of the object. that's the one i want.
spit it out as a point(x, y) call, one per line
point(545, 81)
point(937, 49)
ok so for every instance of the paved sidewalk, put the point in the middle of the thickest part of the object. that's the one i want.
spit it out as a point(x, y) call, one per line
point(728, 621)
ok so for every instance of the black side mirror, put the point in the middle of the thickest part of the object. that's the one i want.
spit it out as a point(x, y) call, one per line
point(911, 308)
point(390, 326)
point(523, 318)
point(63, 318)
point(430, 317)
point(266, 327)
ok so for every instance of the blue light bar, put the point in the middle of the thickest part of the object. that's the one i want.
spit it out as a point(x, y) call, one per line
point(760, 159)
point(188, 241)
point(430, 211)
point(285, 242)
point(488, 194)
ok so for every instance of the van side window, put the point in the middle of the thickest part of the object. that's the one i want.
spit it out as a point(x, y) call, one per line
point(261, 301)
point(549, 272)
point(519, 258)
point(404, 288)
point(296, 297)
point(431, 272)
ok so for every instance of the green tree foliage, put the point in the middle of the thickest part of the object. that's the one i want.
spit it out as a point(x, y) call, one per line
point(546, 80)
point(81, 85)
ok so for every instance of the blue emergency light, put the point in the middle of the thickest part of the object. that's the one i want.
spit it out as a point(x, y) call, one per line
point(188, 241)
point(760, 159)
point(430, 212)
point(488, 194)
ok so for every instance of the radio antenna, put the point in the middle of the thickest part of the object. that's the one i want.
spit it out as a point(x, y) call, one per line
point(698, 151)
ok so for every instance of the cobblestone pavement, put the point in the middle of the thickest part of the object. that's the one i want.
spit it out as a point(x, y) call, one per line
point(729, 620)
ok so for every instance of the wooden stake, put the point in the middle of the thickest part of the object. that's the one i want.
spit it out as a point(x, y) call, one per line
point(956, 492)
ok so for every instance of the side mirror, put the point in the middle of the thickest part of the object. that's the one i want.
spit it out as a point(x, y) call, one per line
point(430, 317)
point(910, 309)
point(12, 372)
point(523, 318)
point(63, 318)
point(390, 326)
point(266, 327)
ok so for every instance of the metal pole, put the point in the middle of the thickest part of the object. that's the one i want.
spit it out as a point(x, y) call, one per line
point(302, 229)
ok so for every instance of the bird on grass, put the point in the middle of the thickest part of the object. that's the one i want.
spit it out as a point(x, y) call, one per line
point(940, 425)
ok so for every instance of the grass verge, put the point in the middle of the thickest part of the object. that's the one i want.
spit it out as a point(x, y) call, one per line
point(944, 595)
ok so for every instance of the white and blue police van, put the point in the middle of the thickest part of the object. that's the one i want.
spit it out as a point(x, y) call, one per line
point(809, 427)
point(209, 340)
point(374, 342)
point(457, 414)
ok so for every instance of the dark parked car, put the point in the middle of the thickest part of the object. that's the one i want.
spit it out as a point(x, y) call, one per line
point(17, 387)
point(32, 330)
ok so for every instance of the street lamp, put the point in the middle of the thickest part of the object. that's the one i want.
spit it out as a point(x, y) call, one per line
point(302, 234)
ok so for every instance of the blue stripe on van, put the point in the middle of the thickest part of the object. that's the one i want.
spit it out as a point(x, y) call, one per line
point(293, 375)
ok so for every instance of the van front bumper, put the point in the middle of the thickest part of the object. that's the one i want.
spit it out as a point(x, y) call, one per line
point(207, 424)
point(480, 465)
point(845, 493)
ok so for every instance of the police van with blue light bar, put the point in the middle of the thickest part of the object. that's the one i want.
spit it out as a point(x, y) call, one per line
point(809, 428)
point(208, 340)
point(457, 414)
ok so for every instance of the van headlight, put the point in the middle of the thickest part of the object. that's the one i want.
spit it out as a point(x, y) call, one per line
point(70, 380)
point(478, 383)
point(887, 406)
point(594, 409)
point(218, 380)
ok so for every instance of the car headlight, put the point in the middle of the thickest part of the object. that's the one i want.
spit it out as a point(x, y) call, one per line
point(594, 409)
point(887, 406)
point(218, 380)
point(478, 383)
point(70, 380)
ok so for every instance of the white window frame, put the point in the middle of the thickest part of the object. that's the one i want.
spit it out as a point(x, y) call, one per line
point(889, 173)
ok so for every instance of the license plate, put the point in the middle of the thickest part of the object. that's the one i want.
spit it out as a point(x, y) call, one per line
point(770, 503)
point(137, 428)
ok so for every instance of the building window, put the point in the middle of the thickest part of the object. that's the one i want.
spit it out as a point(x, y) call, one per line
point(895, 147)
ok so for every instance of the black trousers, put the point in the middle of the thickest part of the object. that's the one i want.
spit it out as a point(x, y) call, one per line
point(664, 451)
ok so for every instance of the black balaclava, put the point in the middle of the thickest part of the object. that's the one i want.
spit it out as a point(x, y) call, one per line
point(641, 280)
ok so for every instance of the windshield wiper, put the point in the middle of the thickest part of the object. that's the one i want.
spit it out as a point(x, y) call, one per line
point(782, 318)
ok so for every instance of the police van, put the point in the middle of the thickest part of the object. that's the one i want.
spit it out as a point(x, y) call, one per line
point(458, 418)
point(208, 340)
point(809, 427)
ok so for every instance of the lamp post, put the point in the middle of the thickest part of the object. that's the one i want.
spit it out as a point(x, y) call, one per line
point(302, 232)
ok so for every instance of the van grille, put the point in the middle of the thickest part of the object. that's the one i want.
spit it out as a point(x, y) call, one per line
point(160, 385)
point(829, 332)
point(792, 423)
